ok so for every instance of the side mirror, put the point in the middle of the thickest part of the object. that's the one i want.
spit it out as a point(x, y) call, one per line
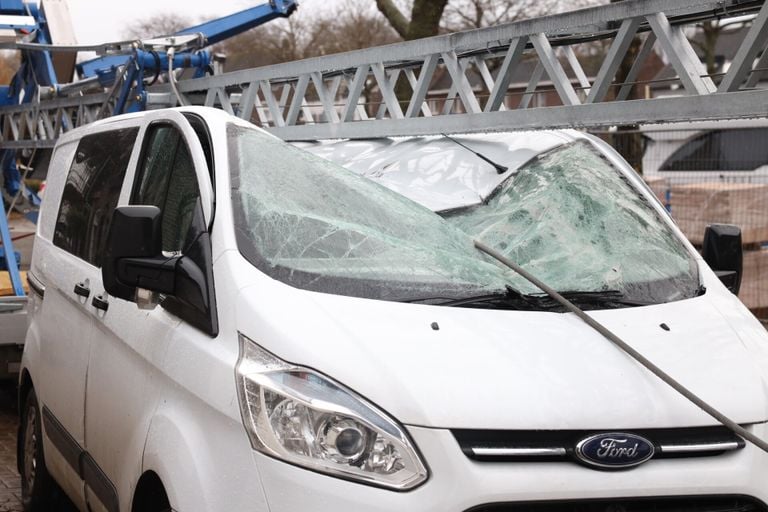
point(723, 253)
point(134, 259)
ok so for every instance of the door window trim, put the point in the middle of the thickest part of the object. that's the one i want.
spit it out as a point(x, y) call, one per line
point(206, 321)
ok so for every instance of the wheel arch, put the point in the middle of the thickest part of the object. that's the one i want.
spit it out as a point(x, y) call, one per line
point(150, 494)
point(204, 460)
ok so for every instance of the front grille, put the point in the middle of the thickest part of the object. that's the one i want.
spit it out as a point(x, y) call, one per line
point(676, 504)
point(560, 445)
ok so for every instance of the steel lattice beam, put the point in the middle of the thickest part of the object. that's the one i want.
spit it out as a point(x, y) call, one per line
point(39, 125)
point(746, 104)
point(461, 82)
point(332, 110)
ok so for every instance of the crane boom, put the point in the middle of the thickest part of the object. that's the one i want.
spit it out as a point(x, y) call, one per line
point(221, 29)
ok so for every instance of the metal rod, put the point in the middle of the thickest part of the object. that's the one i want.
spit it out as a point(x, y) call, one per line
point(626, 348)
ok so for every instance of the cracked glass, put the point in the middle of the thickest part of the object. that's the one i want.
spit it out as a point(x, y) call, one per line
point(568, 216)
point(573, 220)
point(315, 225)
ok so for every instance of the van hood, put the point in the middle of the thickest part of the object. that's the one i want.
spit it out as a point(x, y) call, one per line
point(449, 367)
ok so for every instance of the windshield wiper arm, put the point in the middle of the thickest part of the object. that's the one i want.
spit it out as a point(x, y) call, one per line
point(509, 299)
point(513, 299)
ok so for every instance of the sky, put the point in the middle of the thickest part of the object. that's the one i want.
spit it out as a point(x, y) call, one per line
point(100, 21)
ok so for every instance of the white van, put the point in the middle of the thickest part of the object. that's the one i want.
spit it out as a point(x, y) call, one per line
point(224, 322)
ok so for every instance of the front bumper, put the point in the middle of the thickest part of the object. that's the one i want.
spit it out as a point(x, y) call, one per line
point(458, 484)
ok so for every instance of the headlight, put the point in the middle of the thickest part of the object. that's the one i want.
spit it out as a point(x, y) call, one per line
point(299, 416)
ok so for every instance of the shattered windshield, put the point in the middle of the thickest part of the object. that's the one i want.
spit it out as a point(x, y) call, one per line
point(569, 217)
point(572, 219)
point(314, 225)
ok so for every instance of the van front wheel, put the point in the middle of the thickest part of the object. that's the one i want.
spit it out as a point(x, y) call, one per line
point(38, 490)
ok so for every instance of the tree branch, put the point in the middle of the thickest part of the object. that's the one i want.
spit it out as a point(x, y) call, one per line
point(394, 16)
point(425, 18)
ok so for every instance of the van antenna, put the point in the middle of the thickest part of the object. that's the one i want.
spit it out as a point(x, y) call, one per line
point(499, 168)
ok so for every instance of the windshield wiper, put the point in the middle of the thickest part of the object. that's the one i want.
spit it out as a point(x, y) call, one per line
point(593, 298)
point(509, 299)
point(513, 299)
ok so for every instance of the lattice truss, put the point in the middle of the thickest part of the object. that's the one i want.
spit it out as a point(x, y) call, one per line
point(424, 87)
point(40, 124)
point(469, 81)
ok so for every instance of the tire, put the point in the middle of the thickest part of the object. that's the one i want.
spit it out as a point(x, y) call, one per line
point(39, 492)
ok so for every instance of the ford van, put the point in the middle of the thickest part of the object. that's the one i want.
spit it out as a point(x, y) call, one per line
point(221, 321)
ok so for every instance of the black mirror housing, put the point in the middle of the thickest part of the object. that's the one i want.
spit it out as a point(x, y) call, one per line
point(134, 257)
point(134, 262)
point(723, 252)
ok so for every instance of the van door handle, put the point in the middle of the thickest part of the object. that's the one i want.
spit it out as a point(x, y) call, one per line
point(100, 302)
point(82, 290)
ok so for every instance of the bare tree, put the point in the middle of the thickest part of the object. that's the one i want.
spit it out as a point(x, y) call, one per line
point(354, 26)
point(710, 32)
point(357, 26)
point(470, 14)
point(279, 41)
point(424, 21)
point(158, 25)
point(482, 13)
point(430, 17)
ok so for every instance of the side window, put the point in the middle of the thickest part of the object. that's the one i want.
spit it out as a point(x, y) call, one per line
point(744, 150)
point(699, 154)
point(91, 193)
point(722, 150)
point(167, 179)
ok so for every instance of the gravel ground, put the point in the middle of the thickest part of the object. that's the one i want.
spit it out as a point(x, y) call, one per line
point(10, 485)
point(10, 482)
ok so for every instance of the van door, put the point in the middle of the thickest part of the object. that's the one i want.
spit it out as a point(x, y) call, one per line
point(67, 260)
point(126, 377)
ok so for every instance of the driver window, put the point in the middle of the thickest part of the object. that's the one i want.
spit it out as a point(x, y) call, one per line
point(167, 179)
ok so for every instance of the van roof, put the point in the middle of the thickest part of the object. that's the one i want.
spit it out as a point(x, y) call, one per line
point(437, 171)
point(206, 112)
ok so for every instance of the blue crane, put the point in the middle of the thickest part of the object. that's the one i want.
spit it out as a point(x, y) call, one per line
point(43, 70)
point(149, 61)
point(36, 69)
